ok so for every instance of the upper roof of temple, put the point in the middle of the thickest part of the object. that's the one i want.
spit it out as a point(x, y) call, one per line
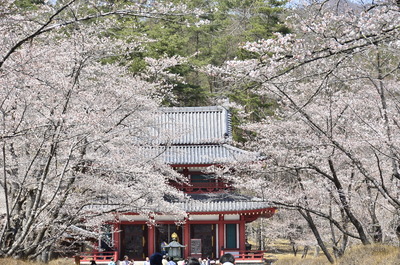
point(196, 136)
point(195, 125)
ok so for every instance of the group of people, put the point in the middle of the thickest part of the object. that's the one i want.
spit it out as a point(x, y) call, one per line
point(226, 259)
point(125, 261)
point(159, 259)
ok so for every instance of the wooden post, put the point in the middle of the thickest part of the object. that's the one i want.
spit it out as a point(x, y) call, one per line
point(186, 239)
point(77, 259)
point(221, 235)
point(242, 233)
point(150, 240)
point(117, 240)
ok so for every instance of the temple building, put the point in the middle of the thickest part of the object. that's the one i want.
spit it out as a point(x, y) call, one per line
point(217, 215)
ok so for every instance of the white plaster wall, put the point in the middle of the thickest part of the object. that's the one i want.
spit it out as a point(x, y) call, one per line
point(132, 218)
point(164, 218)
point(232, 217)
point(204, 217)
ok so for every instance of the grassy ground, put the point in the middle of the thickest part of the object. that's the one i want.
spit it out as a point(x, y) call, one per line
point(359, 255)
point(21, 262)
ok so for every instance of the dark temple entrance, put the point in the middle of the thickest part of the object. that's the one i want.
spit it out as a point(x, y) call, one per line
point(163, 232)
point(205, 232)
point(134, 241)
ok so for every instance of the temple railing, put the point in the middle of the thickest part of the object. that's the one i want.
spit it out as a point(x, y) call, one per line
point(103, 256)
point(245, 255)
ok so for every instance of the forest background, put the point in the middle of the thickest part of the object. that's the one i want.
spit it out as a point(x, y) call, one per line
point(313, 87)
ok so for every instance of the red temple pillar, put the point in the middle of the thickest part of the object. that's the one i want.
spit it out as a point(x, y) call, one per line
point(117, 238)
point(221, 235)
point(150, 240)
point(242, 233)
point(186, 240)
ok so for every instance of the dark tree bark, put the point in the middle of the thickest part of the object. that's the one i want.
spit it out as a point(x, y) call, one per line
point(307, 216)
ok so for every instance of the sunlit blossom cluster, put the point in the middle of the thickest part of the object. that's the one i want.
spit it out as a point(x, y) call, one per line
point(74, 125)
point(331, 148)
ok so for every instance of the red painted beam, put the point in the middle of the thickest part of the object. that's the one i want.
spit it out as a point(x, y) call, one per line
point(221, 234)
point(186, 239)
point(150, 240)
point(242, 233)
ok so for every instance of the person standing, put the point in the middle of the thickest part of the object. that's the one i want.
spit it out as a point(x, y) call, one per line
point(207, 261)
point(147, 261)
point(156, 259)
point(164, 247)
point(171, 261)
point(227, 259)
point(112, 262)
point(193, 261)
point(247, 245)
point(164, 260)
point(126, 261)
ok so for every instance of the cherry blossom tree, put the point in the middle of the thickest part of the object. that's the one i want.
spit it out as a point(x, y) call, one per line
point(331, 147)
point(73, 127)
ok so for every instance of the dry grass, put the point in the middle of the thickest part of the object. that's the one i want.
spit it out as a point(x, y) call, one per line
point(359, 255)
point(62, 262)
point(372, 255)
point(292, 260)
point(9, 261)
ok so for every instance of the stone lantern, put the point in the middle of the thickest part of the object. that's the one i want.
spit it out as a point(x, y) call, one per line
point(174, 247)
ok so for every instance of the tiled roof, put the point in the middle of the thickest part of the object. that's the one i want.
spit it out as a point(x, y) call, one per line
point(205, 203)
point(236, 206)
point(195, 136)
point(222, 202)
point(202, 154)
point(194, 125)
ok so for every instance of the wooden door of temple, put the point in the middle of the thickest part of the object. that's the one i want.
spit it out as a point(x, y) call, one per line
point(134, 241)
point(206, 233)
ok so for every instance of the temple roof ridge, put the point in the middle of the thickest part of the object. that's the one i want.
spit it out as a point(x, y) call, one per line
point(202, 154)
point(222, 202)
point(193, 125)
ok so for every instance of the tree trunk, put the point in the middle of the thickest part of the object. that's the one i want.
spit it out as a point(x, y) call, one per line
point(315, 231)
point(345, 204)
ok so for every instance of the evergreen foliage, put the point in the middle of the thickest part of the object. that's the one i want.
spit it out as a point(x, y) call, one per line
point(212, 38)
